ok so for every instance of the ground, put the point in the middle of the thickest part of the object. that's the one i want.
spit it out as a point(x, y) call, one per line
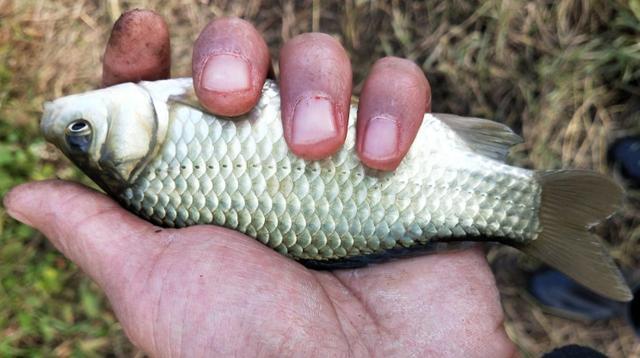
point(563, 74)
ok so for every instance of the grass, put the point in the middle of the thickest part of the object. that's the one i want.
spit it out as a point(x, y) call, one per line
point(565, 74)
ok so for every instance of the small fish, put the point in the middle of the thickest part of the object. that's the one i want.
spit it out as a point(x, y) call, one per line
point(151, 146)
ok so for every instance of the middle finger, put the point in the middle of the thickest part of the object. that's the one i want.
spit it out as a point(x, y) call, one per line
point(315, 85)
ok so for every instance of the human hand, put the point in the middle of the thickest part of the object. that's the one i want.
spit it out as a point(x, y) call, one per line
point(230, 64)
point(210, 291)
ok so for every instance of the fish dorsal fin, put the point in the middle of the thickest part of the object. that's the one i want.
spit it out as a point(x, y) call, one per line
point(489, 138)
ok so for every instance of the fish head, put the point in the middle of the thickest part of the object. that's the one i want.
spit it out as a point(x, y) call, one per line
point(107, 132)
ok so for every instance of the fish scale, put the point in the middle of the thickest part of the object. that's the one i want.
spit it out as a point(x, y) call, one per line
point(240, 174)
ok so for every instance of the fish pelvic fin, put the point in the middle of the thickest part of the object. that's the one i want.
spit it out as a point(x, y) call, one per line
point(572, 201)
point(488, 138)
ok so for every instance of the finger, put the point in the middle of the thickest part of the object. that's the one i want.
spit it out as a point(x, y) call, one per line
point(230, 64)
point(315, 85)
point(138, 49)
point(87, 227)
point(395, 96)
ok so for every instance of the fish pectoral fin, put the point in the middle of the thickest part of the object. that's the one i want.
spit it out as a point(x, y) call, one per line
point(571, 201)
point(489, 138)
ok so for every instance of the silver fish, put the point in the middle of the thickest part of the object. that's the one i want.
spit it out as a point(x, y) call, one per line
point(151, 147)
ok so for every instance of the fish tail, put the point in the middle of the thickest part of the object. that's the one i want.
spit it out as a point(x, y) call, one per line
point(572, 200)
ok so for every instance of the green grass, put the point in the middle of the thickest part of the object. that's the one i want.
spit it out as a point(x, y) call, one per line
point(565, 74)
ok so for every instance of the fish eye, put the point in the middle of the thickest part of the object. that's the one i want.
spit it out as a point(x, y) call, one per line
point(78, 135)
point(78, 127)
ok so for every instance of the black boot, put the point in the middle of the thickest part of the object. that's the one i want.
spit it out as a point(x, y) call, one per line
point(561, 296)
point(624, 156)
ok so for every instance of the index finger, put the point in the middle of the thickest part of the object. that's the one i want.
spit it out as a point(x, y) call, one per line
point(230, 64)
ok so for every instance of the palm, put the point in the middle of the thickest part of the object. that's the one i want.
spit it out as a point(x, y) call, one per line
point(205, 290)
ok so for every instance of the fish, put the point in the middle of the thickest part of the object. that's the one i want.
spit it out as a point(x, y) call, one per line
point(154, 149)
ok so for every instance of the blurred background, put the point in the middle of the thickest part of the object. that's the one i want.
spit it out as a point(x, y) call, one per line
point(564, 74)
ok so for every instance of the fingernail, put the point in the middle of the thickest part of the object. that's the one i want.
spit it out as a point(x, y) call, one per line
point(225, 73)
point(381, 138)
point(313, 121)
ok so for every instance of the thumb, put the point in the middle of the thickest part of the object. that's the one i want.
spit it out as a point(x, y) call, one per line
point(86, 226)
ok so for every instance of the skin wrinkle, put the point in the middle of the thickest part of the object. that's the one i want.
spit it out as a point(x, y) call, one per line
point(170, 347)
point(426, 314)
point(397, 104)
point(79, 224)
point(394, 341)
point(321, 72)
point(498, 328)
point(272, 303)
point(477, 341)
point(289, 342)
point(367, 313)
point(501, 335)
point(129, 286)
point(57, 233)
point(365, 308)
point(120, 295)
point(83, 245)
point(107, 215)
point(127, 278)
point(153, 264)
point(189, 301)
point(157, 316)
point(297, 316)
point(248, 318)
point(335, 315)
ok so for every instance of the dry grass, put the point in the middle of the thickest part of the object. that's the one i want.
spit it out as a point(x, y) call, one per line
point(565, 74)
